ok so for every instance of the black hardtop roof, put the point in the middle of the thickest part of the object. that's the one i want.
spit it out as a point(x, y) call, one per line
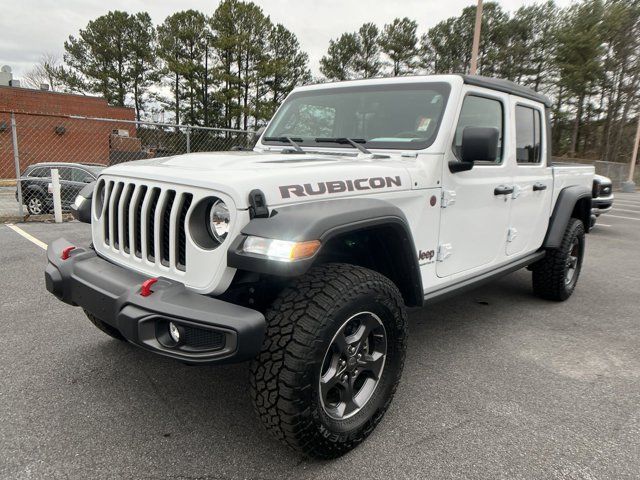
point(506, 86)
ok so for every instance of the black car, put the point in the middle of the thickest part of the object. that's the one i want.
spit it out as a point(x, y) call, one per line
point(73, 177)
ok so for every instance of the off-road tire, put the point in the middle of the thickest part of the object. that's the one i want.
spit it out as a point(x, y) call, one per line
point(301, 324)
point(550, 273)
point(105, 328)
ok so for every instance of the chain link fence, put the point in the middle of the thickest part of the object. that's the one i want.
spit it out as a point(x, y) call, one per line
point(617, 172)
point(80, 147)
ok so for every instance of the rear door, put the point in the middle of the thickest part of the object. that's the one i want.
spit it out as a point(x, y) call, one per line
point(532, 179)
point(474, 220)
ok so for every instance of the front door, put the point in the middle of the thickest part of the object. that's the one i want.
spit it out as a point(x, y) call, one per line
point(475, 215)
point(532, 180)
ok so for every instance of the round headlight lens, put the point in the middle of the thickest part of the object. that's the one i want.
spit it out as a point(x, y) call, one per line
point(219, 220)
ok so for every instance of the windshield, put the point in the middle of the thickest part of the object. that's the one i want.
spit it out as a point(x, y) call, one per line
point(401, 116)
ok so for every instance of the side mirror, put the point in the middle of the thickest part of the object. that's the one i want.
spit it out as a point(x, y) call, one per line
point(88, 179)
point(81, 207)
point(478, 144)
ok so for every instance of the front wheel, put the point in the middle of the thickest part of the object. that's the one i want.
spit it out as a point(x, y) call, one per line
point(556, 275)
point(331, 360)
point(35, 205)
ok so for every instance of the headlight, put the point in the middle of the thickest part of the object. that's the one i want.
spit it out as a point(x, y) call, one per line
point(219, 220)
point(281, 250)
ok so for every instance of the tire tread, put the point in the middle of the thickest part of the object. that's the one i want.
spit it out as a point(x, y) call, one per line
point(549, 273)
point(295, 323)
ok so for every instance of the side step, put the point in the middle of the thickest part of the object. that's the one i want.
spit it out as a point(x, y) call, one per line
point(471, 283)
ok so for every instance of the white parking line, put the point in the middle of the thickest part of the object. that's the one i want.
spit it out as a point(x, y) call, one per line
point(31, 238)
point(616, 209)
point(625, 209)
point(601, 225)
point(626, 218)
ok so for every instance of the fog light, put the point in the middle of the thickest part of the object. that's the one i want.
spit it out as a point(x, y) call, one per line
point(174, 331)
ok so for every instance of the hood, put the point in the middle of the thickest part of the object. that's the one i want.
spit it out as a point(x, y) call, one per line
point(602, 180)
point(283, 178)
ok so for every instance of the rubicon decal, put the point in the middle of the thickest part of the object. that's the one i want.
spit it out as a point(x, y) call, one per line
point(339, 186)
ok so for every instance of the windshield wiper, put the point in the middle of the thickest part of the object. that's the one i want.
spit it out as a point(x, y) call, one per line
point(290, 140)
point(354, 142)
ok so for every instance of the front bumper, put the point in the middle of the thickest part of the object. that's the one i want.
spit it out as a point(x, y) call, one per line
point(214, 331)
point(601, 205)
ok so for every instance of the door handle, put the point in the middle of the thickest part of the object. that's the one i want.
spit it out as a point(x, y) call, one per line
point(539, 186)
point(503, 190)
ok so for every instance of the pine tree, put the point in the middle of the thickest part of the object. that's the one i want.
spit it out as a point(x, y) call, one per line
point(108, 57)
point(284, 66)
point(578, 57)
point(339, 62)
point(367, 61)
point(223, 25)
point(143, 67)
point(399, 42)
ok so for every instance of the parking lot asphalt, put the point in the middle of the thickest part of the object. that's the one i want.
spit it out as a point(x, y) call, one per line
point(8, 204)
point(497, 385)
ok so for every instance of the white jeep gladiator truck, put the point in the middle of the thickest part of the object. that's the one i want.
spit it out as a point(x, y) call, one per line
point(359, 200)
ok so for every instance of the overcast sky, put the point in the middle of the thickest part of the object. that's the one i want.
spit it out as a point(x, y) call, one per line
point(29, 28)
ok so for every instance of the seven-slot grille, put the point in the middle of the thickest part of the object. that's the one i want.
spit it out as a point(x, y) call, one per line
point(147, 222)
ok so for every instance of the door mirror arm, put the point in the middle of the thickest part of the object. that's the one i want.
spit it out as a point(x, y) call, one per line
point(455, 166)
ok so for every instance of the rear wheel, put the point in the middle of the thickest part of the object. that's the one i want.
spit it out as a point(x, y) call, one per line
point(331, 360)
point(556, 275)
point(104, 327)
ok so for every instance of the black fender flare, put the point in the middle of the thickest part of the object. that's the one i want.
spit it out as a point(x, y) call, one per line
point(324, 220)
point(572, 201)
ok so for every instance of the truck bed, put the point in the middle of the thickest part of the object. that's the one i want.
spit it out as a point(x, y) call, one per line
point(569, 174)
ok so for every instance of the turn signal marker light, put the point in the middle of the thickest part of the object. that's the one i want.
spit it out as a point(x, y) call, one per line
point(304, 249)
point(281, 250)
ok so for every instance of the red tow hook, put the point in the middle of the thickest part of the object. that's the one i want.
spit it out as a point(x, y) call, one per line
point(145, 289)
point(66, 252)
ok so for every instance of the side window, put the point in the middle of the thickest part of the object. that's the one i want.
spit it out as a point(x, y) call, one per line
point(480, 112)
point(44, 172)
point(528, 135)
point(65, 173)
point(78, 175)
point(38, 172)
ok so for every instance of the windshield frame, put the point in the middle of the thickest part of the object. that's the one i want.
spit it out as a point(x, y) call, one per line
point(443, 88)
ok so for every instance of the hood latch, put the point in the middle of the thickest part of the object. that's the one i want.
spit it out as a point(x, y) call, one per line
point(257, 204)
